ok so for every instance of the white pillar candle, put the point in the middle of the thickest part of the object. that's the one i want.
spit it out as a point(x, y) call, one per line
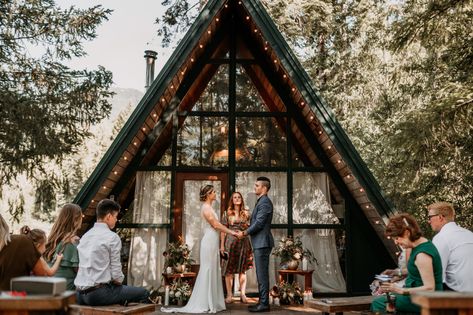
point(276, 301)
point(166, 296)
point(305, 264)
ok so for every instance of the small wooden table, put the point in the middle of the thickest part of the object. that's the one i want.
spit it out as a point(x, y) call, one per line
point(306, 273)
point(15, 305)
point(342, 304)
point(168, 278)
point(444, 302)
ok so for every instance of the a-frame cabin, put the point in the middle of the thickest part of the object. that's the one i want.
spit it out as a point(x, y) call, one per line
point(233, 103)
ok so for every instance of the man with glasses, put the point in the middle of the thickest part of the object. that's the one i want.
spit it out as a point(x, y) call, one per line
point(455, 245)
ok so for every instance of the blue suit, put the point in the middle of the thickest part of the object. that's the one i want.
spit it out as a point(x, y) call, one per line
point(262, 242)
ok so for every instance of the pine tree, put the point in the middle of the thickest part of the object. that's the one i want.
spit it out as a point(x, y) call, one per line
point(46, 108)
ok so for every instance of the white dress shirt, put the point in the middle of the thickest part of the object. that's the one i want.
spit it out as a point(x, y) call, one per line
point(455, 245)
point(99, 257)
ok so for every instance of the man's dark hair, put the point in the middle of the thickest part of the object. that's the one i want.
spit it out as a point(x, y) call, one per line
point(265, 181)
point(106, 206)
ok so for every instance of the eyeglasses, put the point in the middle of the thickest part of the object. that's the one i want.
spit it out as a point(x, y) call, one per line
point(430, 216)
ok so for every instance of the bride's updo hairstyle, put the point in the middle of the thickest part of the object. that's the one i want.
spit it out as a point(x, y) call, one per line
point(205, 191)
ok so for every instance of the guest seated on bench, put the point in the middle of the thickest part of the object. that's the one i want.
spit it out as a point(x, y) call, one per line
point(424, 269)
point(20, 255)
point(100, 276)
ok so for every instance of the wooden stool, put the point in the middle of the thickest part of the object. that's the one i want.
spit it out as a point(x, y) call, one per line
point(306, 273)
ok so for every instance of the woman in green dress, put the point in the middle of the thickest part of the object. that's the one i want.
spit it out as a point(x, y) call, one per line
point(424, 268)
point(63, 239)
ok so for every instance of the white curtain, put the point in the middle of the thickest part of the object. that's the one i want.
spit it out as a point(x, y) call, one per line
point(311, 205)
point(151, 205)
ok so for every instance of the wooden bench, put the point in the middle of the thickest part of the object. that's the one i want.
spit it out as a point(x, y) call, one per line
point(37, 304)
point(340, 305)
point(132, 308)
point(444, 302)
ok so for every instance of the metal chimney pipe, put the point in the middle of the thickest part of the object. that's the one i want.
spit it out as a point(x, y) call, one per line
point(150, 56)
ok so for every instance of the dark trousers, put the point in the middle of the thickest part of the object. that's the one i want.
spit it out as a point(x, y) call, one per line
point(113, 294)
point(261, 257)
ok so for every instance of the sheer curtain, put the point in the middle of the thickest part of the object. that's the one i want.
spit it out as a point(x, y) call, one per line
point(151, 205)
point(311, 205)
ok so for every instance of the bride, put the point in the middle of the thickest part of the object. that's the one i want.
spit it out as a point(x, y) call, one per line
point(207, 295)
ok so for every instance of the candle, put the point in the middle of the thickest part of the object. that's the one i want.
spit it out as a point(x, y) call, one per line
point(305, 263)
point(276, 301)
point(270, 300)
point(166, 296)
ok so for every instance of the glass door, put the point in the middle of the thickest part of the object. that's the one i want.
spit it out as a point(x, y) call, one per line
point(187, 221)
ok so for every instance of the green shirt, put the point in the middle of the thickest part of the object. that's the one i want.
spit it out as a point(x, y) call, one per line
point(69, 263)
point(413, 275)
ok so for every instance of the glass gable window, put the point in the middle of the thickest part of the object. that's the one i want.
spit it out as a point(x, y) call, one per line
point(203, 141)
point(215, 96)
point(260, 141)
point(247, 97)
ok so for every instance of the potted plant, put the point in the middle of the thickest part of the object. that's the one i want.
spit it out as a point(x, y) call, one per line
point(177, 256)
point(290, 251)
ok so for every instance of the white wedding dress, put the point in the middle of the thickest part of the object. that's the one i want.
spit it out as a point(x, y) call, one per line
point(207, 294)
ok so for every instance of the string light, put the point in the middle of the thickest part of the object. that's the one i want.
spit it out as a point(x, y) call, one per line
point(348, 176)
point(125, 158)
point(320, 132)
point(163, 100)
point(144, 129)
point(362, 190)
point(247, 17)
point(154, 115)
point(284, 76)
point(329, 147)
point(104, 187)
point(135, 143)
point(209, 32)
point(201, 46)
point(339, 161)
point(115, 172)
point(293, 89)
point(192, 59)
point(311, 117)
point(217, 19)
point(377, 222)
point(367, 206)
point(275, 61)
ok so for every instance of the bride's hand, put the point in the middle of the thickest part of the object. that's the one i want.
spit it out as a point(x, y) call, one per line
point(235, 233)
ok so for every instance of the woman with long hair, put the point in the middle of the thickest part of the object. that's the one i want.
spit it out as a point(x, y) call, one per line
point(424, 268)
point(237, 251)
point(63, 240)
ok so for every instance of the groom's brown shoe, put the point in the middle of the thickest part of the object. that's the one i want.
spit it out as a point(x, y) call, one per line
point(259, 308)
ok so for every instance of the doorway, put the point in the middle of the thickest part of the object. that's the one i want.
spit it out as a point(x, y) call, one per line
point(187, 222)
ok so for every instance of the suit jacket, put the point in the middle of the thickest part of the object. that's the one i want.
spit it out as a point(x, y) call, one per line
point(260, 225)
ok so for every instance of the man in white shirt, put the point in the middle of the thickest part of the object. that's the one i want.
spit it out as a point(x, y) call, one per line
point(100, 276)
point(455, 245)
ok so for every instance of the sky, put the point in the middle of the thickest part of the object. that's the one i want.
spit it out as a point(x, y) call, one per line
point(122, 40)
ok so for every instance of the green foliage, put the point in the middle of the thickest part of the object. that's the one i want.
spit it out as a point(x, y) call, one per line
point(46, 108)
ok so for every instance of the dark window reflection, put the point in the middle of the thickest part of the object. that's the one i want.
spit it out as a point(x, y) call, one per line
point(215, 96)
point(203, 141)
point(260, 141)
point(247, 97)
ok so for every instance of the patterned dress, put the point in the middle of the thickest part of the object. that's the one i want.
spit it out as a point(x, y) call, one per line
point(240, 255)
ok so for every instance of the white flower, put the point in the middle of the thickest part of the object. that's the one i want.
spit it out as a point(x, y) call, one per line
point(297, 256)
point(171, 293)
point(178, 294)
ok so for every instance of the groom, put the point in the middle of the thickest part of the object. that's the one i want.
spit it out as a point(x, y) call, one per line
point(262, 241)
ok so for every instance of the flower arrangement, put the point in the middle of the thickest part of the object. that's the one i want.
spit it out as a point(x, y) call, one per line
point(289, 293)
point(290, 248)
point(177, 254)
point(179, 292)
